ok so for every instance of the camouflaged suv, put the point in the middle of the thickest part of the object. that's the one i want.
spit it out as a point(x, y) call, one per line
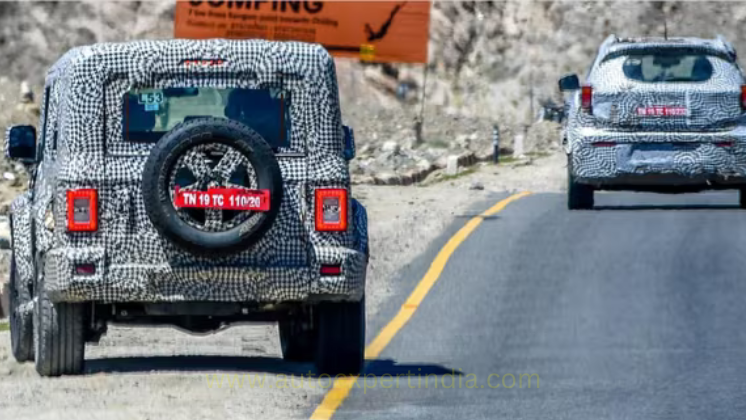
point(190, 183)
point(656, 114)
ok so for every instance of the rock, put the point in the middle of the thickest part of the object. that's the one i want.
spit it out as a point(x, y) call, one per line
point(369, 180)
point(425, 165)
point(476, 185)
point(390, 147)
point(387, 178)
point(463, 141)
point(27, 95)
point(28, 108)
point(380, 80)
point(485, 154)
point(4, 227)
point(365, 150)
point(9, 176)
point(407, 179)
point(410, 142)
point(518, 149)
point(356, 168)
point(452, 165)
point(4, 298)
point(467, 159)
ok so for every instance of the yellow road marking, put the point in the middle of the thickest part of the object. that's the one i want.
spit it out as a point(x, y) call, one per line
point(342, 386)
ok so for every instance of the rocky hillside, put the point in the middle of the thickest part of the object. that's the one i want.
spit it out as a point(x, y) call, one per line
point(489, 62)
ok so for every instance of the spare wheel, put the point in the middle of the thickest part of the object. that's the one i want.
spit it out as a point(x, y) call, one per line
point(212, 186)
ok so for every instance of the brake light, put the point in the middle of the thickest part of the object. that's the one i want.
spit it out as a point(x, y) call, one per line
point(331, 270)
point(82, 210)
point(586, 98)
point(743, 97)
point(603, 144)
point(85, 269)
point(331, 210)
point(724, 144)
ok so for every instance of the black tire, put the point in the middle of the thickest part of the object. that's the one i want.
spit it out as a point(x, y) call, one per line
point(579, 196)
point(21, 324)
point(164, 156)
point(341, 339)
point(298, 338)
point(59, 336)
point(742, 198)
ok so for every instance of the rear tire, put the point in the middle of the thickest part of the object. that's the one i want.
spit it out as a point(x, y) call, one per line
point(742, 198)
point(298, 337)
point(59, 336)
point(579, 196)
point(341, 338)
point(21, 323)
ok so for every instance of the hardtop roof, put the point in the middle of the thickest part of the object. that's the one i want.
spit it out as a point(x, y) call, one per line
point(148, 56)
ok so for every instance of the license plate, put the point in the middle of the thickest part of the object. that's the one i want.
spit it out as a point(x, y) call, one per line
point(223, 199)
point(662, 111)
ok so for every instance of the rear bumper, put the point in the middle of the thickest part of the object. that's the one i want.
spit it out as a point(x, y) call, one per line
point(671, 183)
point(686, 159)
point(163, 283)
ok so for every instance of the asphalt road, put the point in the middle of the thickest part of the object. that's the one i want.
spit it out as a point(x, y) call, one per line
point(636, 310)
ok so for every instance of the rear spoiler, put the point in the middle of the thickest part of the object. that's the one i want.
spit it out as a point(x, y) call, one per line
point(694, 49)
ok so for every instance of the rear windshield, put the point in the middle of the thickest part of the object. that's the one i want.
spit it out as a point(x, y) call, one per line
point(149, 113)
point(668, 67)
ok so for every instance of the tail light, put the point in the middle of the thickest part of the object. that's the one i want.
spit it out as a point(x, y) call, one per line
point(586, 98)
point(85, 269)
point(724, 144)
point(82, 210)
point(603, 144)
point(743, 97)
point(331, 270)
point(331, 210)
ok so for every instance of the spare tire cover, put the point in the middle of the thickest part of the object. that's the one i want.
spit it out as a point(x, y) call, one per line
point(208, 153)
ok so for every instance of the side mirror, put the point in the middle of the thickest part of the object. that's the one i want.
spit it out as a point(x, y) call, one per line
point(349, 150)
point(20, 143)
point(569, 82)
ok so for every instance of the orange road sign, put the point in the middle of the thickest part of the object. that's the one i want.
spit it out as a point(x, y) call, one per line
point(382, 31)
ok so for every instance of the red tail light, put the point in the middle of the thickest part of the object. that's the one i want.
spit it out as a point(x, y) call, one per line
point(85, 269)
point(82, 210)
point(586, 98)
point(724, 144)
point(331, 270)
point(331, 210)
point(604, 144)
point(743, 96)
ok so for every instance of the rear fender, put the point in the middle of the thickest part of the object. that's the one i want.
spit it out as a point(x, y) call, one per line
point(22, 238)
point(360, 223)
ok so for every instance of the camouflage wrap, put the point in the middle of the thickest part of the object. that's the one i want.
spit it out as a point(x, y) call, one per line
point(684, 148)
point(132, 262)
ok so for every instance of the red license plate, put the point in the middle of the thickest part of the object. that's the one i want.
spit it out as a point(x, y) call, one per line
point(223, 199)
point(662, 111)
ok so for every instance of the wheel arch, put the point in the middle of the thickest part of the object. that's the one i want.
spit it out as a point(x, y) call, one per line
point(21, 234)
point(360, 222)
